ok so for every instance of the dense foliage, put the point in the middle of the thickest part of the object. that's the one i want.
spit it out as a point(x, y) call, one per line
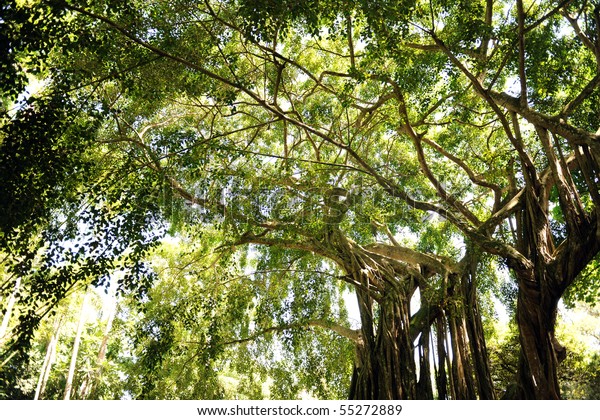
point(422, 158)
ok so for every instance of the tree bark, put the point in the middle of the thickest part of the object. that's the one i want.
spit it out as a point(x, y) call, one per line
point(539, 359)
point(542, 280)
point(425, 386)
point(475, 333)
point(441, 377)
point(387, 357)
point(461, 369)
point(540, 351)
point(485, 386)
point(385, 368)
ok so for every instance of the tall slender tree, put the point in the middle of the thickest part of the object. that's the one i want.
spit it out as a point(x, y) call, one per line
point(75, 349)
point(48, 359)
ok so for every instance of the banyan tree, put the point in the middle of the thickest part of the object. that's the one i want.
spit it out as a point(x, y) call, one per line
point(403, 149)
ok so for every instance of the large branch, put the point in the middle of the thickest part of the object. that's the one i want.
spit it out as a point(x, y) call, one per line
point(555, 125)
point(311, 246)
point(409, 256)
point(422, 319)
point(572, 256)
point(350, 334)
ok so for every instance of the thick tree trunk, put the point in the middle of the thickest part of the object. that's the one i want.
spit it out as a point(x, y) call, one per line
point(462, 374)
point(385, 278)
point(441, 377)
point(385, 368)
point(540, 351)
point(485, 386)
point(542, 281)
point(540, 288)
point(425, 386)
point(475, 334)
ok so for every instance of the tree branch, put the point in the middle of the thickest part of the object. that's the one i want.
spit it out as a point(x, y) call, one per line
point(521, 44)
point(444, 195)
point(582, 37)
point(485, 94)
point(311, 246)
point(350, 334)
point(555, 125)
point(572, 105)
point(415, 258)
point(474, 178)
